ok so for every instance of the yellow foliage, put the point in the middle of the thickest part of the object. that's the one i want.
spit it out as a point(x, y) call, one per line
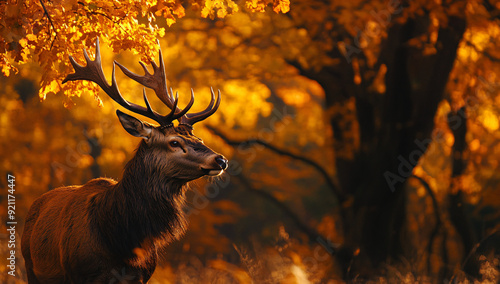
point(48, 32)
point(253, 102)
point(294, 96)
point(474, 145)
point(489, 120)
point(282, 6)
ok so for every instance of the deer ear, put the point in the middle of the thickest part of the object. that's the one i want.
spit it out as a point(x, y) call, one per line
point(134, 126)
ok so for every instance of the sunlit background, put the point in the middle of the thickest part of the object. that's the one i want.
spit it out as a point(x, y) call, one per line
point(318, 105)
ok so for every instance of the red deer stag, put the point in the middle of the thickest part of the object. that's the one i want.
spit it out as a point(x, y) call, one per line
point(105, 229)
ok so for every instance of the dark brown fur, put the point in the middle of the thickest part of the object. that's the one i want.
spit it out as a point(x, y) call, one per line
point(108, 232)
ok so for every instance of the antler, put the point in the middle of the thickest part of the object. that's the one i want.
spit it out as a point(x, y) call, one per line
point(93, 72)
point(192, 118)
point(156, 81)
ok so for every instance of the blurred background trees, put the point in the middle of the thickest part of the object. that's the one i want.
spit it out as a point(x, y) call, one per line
point(362, 135)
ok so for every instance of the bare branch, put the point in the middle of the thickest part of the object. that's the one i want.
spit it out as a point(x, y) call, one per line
point(473, 251)
point(310, 232)
point(491, 9)
point(97, 13)
point(45, 12)
point(484, 52)
point(437, 216)
point(250, 142)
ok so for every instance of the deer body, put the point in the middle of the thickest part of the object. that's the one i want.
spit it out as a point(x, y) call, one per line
point(74, 254)
point(106, 231)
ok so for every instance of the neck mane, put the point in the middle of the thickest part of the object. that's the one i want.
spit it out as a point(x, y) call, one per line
point(143, 209)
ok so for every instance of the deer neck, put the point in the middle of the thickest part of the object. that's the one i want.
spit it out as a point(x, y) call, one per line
point(144, 208)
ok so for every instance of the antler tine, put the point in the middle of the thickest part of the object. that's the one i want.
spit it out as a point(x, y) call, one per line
point(146, 101)
point(93, 72)
point(156, 81)
point(187, 108)
point(143, 67)
point(171, 94)
point(192, 118)
point(165, 120)
point(172, 112)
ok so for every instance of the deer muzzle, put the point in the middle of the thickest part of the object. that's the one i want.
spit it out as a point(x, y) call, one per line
point(219, 165)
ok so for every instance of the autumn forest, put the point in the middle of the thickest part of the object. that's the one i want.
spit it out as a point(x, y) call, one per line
point(362, 137)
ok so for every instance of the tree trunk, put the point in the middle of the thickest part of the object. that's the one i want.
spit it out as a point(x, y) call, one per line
point(394, 131)
point(457, 122)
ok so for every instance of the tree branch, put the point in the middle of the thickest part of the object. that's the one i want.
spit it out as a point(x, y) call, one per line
point(311, 233)
point(45, 12)
point(484, 52)
point(97, 13)
point(491, 8)
point(437, 216)
point(473, 251)
point(250, 142)
point(457, 204)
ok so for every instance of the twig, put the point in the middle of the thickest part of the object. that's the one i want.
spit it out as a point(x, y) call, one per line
point(45, 12)
point(484, 52)
point(96, 13)
point(444, 251)
point(473, 251)
point(439, 222)
point(303, 227)
point(491, 8)
point(247, 143)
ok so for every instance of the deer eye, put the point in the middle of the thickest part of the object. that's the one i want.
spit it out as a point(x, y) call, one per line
point(175, 144)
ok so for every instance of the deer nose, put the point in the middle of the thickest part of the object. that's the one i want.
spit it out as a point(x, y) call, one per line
point(222, 162)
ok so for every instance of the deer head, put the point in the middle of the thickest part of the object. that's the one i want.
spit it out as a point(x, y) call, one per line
point(168, 149)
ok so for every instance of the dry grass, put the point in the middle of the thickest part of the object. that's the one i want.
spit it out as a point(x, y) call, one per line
point(294, 263)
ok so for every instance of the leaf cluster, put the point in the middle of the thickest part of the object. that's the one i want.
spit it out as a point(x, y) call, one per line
point(47, 32)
